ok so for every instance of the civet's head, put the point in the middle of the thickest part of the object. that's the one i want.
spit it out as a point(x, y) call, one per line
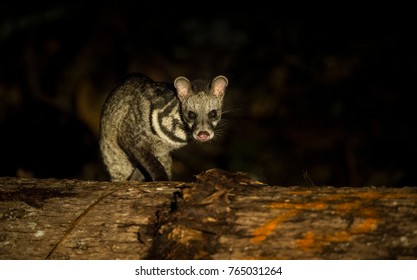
point(201, 104)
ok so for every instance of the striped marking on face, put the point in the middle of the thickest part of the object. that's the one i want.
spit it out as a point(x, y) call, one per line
point(167, 123)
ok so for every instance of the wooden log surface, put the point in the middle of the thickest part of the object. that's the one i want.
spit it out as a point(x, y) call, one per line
point(221, 215)
point(70, 219)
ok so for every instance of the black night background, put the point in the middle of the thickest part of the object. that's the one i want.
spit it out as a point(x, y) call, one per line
point(312, 100)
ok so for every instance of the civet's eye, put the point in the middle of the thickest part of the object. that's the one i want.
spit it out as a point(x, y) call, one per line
point(212, 114)
point(191, 115)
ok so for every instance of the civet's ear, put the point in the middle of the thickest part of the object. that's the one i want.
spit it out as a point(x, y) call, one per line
point(183, 86)
point(218, 86)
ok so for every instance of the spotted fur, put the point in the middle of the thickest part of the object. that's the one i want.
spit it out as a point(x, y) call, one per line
point(142, 121)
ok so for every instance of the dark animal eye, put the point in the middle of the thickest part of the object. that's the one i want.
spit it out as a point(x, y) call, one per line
point(191, 115)
point(212, 114)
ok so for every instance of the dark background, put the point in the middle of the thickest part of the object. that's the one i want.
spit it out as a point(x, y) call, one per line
point(313, 99)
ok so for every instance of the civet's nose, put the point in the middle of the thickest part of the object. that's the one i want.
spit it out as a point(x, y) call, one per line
point(203, 136)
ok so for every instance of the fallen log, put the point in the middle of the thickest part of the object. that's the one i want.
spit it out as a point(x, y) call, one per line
point(221, 215)
point(71, 219)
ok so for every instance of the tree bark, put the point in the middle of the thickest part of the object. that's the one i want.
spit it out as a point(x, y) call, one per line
point(70, 219)
point(221, 215)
